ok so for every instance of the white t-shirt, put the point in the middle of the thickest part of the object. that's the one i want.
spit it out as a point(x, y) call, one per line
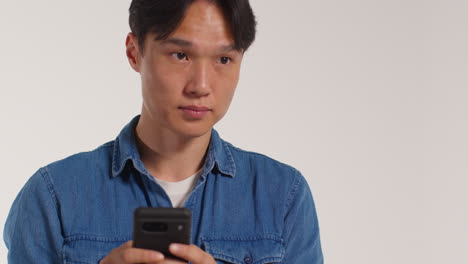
point(178, 191)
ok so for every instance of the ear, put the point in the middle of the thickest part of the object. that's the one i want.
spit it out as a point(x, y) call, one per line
point(133, 52)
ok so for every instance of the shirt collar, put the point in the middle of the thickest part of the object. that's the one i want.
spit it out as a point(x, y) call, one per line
point(219, 154)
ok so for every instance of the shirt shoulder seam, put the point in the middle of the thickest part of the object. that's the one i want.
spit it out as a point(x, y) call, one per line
point(50, 187)
point(245, 151)
point(294, 189)
point(253, 153)
point(45, 174)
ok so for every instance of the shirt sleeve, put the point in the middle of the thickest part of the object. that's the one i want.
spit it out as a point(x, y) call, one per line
point(32, 231)
point(301, 234)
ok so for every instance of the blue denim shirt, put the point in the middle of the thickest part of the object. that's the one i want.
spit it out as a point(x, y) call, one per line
point(246, 207)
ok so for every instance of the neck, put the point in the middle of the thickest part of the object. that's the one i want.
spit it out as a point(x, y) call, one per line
point(169, 156)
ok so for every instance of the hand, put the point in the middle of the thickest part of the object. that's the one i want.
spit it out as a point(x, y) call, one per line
point(126, 254)
point(191, 253)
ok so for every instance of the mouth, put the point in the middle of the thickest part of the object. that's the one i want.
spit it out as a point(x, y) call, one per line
point(194, 112)
point(195, 108)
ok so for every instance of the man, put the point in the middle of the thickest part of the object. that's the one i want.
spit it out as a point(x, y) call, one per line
point(246, 207)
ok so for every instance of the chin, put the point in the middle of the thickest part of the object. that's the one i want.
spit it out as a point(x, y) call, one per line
point(193, 130)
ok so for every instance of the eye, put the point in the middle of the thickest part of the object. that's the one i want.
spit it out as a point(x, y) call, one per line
point(179, 55)
point(224, 60)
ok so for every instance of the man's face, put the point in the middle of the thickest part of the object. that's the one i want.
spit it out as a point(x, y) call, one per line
point(189, 79)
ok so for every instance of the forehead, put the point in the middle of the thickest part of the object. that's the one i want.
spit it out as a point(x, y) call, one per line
point(203, 25)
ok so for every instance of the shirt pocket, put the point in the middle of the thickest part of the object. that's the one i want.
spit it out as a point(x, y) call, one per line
point(245, 250)
point(88, 249)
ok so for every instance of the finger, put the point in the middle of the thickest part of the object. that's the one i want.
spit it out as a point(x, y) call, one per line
point(168, 261)
point(127, 244)
point(139, 255)
point(191, 253)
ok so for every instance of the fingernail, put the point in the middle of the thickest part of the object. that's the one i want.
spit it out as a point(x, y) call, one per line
point(175, 247)
point(157, 255)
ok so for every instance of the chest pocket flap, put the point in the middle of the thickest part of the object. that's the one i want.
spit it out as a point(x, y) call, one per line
point(245, 250)
point(85, 249)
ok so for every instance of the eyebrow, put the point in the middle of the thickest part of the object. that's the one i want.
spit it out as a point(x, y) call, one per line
point(177, 41)
point(187, 44)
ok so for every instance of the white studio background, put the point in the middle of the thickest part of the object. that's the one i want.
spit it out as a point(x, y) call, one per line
point(367, 98)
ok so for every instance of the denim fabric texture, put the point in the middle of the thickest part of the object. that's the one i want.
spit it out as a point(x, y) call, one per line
point(246, 207)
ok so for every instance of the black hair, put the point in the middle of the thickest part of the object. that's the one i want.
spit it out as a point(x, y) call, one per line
point(162, 17)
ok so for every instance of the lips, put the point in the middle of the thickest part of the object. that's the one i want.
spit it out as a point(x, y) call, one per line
point(194, 112)
point(195, 108)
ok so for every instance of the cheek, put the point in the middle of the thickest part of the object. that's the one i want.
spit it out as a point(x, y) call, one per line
point(162, 85)
point(226, 94)
point(229, 93)
point(232, 84)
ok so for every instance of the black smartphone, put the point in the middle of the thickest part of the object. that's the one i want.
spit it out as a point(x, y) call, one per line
point(157, 228)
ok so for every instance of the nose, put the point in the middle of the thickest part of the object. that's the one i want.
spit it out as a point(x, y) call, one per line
point(199, 82)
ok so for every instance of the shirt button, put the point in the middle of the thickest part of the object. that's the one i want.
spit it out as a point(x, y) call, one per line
point(248, 260)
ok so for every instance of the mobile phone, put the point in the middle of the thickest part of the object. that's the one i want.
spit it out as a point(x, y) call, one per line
point(156, 228)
